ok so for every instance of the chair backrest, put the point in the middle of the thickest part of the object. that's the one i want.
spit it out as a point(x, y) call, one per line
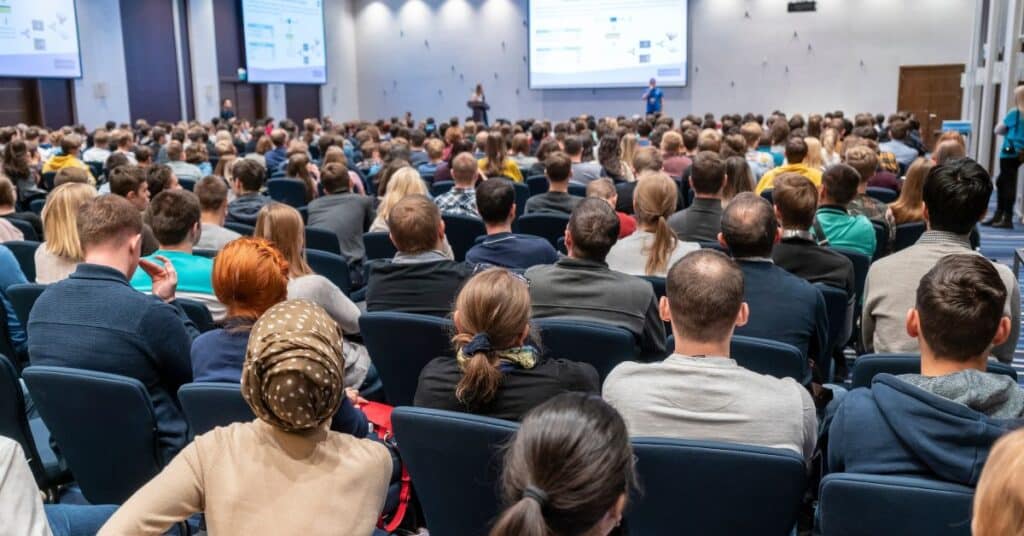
point(884, 195)
point(48, 179)
point(105, 427)
point(378, 246)
point(837, 304)
point(196, 312)
point(187, 183)
point(522, 195)
point(331, 266)
point(27, 231)
point(454, 460)
point(767, 195)
point(603, 346)
point(867, 366)
point(462, 232)
point(400, 345)
point(907, 235)
point(322, 240)
point(550, 227)
point(208, 253)
point(209, 405)
point(881, 239)
point(23, 297)
point(715, 488)
point(537, 184)
point(289, 191)
point(658, 283)
point(861, 265)
point(886, 505)
point(13, 420)
point(441, 187)
point(770, 357)
point(240, 228)
point(578, 190)
point(714, 245)
point(96, 168)
point(25, 252)
point(36, 205)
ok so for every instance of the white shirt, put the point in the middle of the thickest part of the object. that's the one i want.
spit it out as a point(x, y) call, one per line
point(21, 507)
point(629, 255)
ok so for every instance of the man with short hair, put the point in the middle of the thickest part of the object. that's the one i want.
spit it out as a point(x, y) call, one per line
point(71, 174)
point(100, 150)
point(557, 200)
point(796, 151)
point(129, 182)
point(898, 144)
point(604, 188)
point(124, 140)
point(582, 172)
point(95, 321)
point(864, 160)
point(70, 145)
point(461, 199)
point(698, 392)
point(582, 287)
point(843, 229)
point(174, 217)
point(760, 162)
point(279, 154)
point(181, 168)
point(213, 202)
point(420, 279)
point(496, 201)
point(956, 197)
point(348, 215)
point(435, 152)
point(942, 422)
point(702, 220)
point(417, 155)
point(783, 307)
point(796, 200)
point(675, 163)
point(248, 176)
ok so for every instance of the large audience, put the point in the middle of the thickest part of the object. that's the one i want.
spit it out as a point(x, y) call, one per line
point(688, 235)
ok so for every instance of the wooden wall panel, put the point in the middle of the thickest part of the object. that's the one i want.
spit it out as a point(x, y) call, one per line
point(18, 101)
point(302, 101)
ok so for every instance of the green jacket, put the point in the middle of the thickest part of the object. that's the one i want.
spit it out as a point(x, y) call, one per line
point(855, 233)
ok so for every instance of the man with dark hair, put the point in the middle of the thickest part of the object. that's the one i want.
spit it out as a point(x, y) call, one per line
point(95, 321)
point(783, 307)
point(582, 287)
point(129, 182)
point(248, 176)
point(161, 177)
point(898, 144)
point(212, 192)
point(417, 155)
point(70, 146)
point(174, 217)
point(796, 152)
point(799, 252)
point(956, 197)
point(348, 215)
point(582, 171)
point(420, 279)
point(702, 220)
point(496, 201)
point(558, 169)
point(100, 150)
point(841, 228)
point(689, 393)
point(942, 422)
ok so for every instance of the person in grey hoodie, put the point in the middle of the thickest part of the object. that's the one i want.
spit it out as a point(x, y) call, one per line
point(248, 176)
point(942, 422)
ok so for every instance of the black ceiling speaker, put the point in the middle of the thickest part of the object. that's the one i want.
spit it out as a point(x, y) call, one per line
point(803, 5)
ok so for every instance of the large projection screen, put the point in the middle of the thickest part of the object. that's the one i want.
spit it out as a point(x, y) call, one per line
point(284, 41)
point(607, 43)
point(39, 39)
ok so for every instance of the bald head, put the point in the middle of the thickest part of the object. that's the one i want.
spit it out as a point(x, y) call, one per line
point(749, 227)
point(705, 293)
point(464, 168)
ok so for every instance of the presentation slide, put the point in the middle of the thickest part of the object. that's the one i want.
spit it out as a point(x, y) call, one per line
point(284, 41)
point(607, 43)
point(39, 39)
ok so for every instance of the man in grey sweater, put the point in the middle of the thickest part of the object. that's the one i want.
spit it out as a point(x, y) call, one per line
point(698, 392)
point(346, 214)
point(956, 197)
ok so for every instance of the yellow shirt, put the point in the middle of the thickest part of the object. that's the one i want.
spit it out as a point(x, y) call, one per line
point(768, 180)
point(510, 169)
point(58, 163)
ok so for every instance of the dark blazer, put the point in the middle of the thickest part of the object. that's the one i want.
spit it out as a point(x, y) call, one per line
point(811, 262)
point(426, 288)
point(699, 223)
point(95, 320)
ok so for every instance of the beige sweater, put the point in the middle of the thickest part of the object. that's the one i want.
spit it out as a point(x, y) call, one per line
point(251, 478)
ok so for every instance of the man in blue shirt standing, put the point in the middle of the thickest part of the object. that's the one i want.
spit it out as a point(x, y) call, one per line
point(653, 97)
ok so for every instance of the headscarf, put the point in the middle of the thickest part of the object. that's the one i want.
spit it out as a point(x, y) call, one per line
point(293, 376)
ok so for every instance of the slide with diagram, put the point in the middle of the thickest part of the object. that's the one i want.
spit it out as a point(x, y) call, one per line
point(607, 43)
point(284, 41)
point(39, 39)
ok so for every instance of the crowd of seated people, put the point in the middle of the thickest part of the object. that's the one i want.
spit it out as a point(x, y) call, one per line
point(703, 229)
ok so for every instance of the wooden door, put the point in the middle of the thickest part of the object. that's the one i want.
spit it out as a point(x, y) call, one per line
point(302, 101)
point(19, 101)
point(933, 94)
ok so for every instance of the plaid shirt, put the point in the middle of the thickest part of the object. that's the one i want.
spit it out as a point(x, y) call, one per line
point(874, 210)
point(887, 161)
point(459, 202)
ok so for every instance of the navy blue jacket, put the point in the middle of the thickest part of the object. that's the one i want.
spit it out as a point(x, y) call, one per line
point(95, 320)
point(514, 251)
point(895, 428)
point(275, 157)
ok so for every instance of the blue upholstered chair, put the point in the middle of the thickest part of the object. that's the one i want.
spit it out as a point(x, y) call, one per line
point(401, 344)
point(867, 366)
point(603, 346)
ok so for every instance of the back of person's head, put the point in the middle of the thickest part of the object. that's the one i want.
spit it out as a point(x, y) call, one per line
point(250, 174)
point(863, 160)
point(949, 150)
point(70, 143)
point(335, 178)
point(671, 143)
point(402, 182)
point(492, 313)
point(173, 215)
point(749, 226)
point(249, 276)
point(956, 195)
point(101, 138)
point(278, 137)
point(602, 188)
point(654, 200)
point(568, 470)
point(899, 130)
point(999, 498)
point(8, 195)
point(70, 174)
point(114, 161)
point(415, 224)
point(796, 200)
point(212, 193)
point(840, 183)
point(751, 133)
point(160, 177)
point(293, 377)
point(283, 226)
point(175, 151)
point(107, 220)
point(558, 167)
point(434, 148)
point(690, 136)
point(708, 174)
point(464, 169)
point(647, 159)
point(60, 219)
point(959, 308)
point(709, 139)
point(573, 146)
point(494, 200)
point(704, 291)
point(593, 230)
point(127, 179)
point(796, 149)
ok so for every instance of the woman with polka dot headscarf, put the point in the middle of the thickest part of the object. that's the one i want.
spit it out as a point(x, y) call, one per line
point(285, 472)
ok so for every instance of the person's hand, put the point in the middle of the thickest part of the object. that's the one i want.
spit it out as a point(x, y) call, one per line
point(353, 396)
point(165, 278)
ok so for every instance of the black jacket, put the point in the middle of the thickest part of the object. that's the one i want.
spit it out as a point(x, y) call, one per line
point(427, 288)
point(816, 264)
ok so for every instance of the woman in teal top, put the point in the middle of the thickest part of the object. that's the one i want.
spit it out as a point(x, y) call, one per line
point(1012, 131)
